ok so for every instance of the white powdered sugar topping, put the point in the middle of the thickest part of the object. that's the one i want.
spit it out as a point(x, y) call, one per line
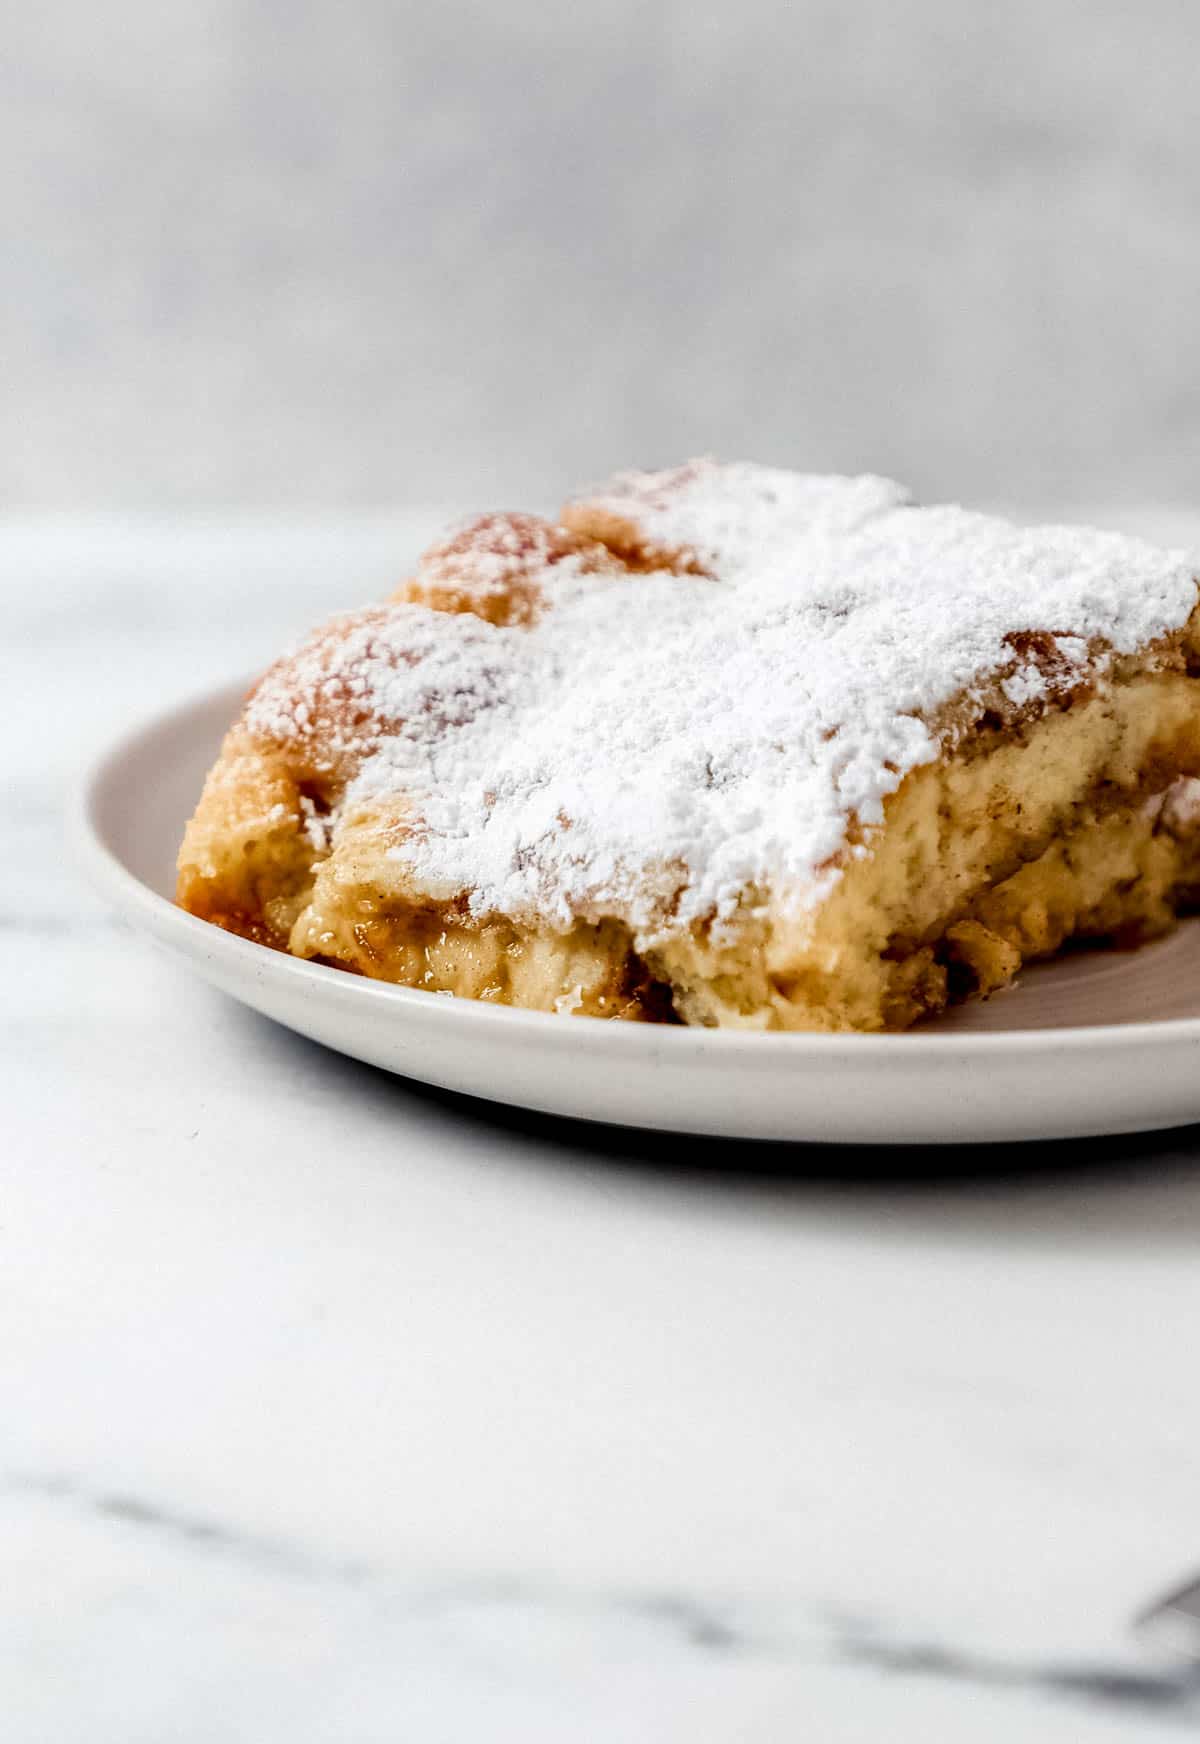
point(1181, 807)
point(660, 747)
point(729, 517)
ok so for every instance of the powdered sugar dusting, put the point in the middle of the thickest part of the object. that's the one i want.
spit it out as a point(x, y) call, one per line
point(654, 747)
point(727, 518)
point(494, 566)
point(1181, 808)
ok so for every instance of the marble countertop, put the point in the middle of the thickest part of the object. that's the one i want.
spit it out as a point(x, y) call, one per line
point(333, 1408)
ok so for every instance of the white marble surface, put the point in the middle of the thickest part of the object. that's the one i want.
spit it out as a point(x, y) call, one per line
point(331, 1408)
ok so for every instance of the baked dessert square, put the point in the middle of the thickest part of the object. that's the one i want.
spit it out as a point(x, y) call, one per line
point(723, 745)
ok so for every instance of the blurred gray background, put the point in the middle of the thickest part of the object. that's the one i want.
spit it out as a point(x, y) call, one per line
point(326, 257)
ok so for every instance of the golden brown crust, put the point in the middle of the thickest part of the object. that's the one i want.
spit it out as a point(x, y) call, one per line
point(626, 541)
point(494, 565)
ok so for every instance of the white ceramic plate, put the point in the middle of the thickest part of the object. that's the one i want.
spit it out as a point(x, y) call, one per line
point(1101, 1042)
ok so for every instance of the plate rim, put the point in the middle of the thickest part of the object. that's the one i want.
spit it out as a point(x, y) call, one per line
point(136, 899)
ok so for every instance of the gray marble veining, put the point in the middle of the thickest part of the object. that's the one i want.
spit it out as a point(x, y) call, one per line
point(333, 1408)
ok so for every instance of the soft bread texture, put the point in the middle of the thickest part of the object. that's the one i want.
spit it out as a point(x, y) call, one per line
point(1043, 803)
point(991, 858)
